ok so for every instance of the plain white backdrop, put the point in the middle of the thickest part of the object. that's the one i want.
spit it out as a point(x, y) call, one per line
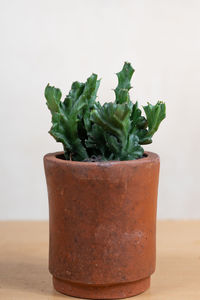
point(62, 41)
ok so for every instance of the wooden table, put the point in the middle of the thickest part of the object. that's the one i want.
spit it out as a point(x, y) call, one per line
point(24, 262)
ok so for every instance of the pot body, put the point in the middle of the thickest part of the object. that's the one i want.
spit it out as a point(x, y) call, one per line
point(102, 225)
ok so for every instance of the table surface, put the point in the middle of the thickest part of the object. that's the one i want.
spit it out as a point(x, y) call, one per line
point(24, 262)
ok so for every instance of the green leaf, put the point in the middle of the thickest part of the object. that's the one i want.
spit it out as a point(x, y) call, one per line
point(113, 131)
point(58, 130)
point(113, 118)
point(154, 114)
point(96, 140)
point(114, 146)
point(133, 149)
point(91, 88)
point(136, 116)
point(138, 125)
point(68, 114)
point(123, 87)
point(65, 119)
point(53, 96)
point(75, 92)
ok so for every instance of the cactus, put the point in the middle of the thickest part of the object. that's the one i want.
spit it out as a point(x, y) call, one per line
point(112, 131)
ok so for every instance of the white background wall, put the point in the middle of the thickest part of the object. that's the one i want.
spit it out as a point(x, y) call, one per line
point(61, 41)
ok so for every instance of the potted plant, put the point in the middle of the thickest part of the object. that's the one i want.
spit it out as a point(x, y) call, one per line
point(102, 191)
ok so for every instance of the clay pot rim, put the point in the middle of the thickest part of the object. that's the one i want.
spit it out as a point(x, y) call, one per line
point(148, 158)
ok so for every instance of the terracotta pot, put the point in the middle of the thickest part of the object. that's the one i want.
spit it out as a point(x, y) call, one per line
point(102, 225)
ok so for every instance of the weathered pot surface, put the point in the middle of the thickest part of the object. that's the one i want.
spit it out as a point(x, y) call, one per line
point(102, 225)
